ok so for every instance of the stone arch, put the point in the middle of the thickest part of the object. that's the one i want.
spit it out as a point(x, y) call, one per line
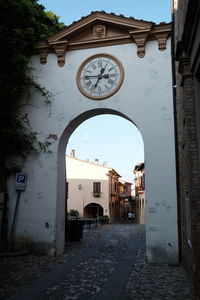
point(93, 210)
point(61, 175)
point(145, 96)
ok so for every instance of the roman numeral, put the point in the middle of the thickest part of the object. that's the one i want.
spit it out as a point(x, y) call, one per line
point(100, 64)
point(92, 87)
point(111, 81)
point(99, 90)
point(88, 83)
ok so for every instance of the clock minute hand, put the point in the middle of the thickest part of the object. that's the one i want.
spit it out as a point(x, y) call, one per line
point(103, 69)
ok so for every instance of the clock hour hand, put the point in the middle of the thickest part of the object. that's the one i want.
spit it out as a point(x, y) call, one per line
point(103, 69)
point(91, 76)
point(106, 76)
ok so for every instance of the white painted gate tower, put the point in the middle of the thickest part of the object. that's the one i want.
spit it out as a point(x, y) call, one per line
point(102, 64)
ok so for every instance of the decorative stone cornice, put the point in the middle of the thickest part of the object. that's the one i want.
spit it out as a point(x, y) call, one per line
point(140, 38)
point(162, 40)
point(101, 29)
point(60, 48)
point(43, 50)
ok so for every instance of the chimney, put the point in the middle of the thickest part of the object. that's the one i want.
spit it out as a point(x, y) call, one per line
point(72, 153)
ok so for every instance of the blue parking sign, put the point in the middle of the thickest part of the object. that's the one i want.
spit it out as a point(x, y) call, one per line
point(21, 180)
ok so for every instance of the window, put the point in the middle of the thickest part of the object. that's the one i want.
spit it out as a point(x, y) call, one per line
point(96, 187)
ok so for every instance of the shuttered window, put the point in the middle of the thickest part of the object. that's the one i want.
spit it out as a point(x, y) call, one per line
point(96, 187)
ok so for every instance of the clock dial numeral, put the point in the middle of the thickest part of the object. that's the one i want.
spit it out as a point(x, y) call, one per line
point(93, 87)
point(111, 81)
point(100, 63)
point(99, 90)
point(88, 83)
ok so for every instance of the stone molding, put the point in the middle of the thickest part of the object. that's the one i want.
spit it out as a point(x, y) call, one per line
point(60, 49)
point(140, 38)
point(43, 50)
point(102, 29)
point(162, 40)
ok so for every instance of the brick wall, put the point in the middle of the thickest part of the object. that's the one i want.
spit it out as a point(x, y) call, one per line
point(187, 103)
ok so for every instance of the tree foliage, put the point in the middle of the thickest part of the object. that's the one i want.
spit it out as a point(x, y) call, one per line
point(23, 24)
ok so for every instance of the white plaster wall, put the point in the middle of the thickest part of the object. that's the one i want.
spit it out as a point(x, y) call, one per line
point(85, 173)
point(144, 98)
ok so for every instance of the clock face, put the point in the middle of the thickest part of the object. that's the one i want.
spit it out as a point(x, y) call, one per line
point(100, 76)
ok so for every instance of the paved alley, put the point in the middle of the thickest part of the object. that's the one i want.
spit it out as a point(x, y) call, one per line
point(108, 263)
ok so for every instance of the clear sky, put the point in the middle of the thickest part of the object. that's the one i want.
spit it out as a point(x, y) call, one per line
point(148, 10)
point(109, 138)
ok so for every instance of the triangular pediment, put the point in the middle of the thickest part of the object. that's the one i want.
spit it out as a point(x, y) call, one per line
point(102, 29)
point(112, 21)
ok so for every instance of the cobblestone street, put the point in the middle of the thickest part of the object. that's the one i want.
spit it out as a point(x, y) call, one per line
point(108, 263)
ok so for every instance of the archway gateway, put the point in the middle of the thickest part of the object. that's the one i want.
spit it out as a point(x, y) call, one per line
point(93, 210)
point(102, 64)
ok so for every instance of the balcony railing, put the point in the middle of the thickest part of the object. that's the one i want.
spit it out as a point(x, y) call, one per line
point(96, 194)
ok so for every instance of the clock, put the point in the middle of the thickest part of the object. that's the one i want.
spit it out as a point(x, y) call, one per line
point(100, 76)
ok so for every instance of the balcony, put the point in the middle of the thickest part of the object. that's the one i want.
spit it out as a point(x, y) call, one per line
point(97, 195)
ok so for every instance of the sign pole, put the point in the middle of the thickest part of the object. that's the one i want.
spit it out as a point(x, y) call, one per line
point(21, 180)
point(14, 220)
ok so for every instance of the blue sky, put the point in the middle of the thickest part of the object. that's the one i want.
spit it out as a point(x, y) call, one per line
point(109, 138)
point(148, 10)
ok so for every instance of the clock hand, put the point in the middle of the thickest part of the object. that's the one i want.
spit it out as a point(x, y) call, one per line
point(106, 76)
point(103, 69)
point(91, 76)
point(99, 77)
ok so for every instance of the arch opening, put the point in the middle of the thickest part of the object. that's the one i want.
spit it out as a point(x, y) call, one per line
point(93, 210)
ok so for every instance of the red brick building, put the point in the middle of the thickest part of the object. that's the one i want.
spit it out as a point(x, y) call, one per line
point(186, 48)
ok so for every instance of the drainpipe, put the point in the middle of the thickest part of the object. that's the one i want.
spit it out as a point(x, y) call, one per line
point(176, 130)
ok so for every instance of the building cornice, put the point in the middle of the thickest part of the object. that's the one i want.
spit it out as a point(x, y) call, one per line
point(101, 29)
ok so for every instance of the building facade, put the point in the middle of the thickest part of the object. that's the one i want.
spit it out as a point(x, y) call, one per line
point(126, 199)
point(186, 48)
point(140, 193)
point(92, 188)
point(66, 68)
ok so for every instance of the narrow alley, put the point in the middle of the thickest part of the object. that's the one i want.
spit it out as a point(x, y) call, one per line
point(108, 263)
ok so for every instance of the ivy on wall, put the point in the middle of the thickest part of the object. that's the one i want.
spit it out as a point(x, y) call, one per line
point(23, 24)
